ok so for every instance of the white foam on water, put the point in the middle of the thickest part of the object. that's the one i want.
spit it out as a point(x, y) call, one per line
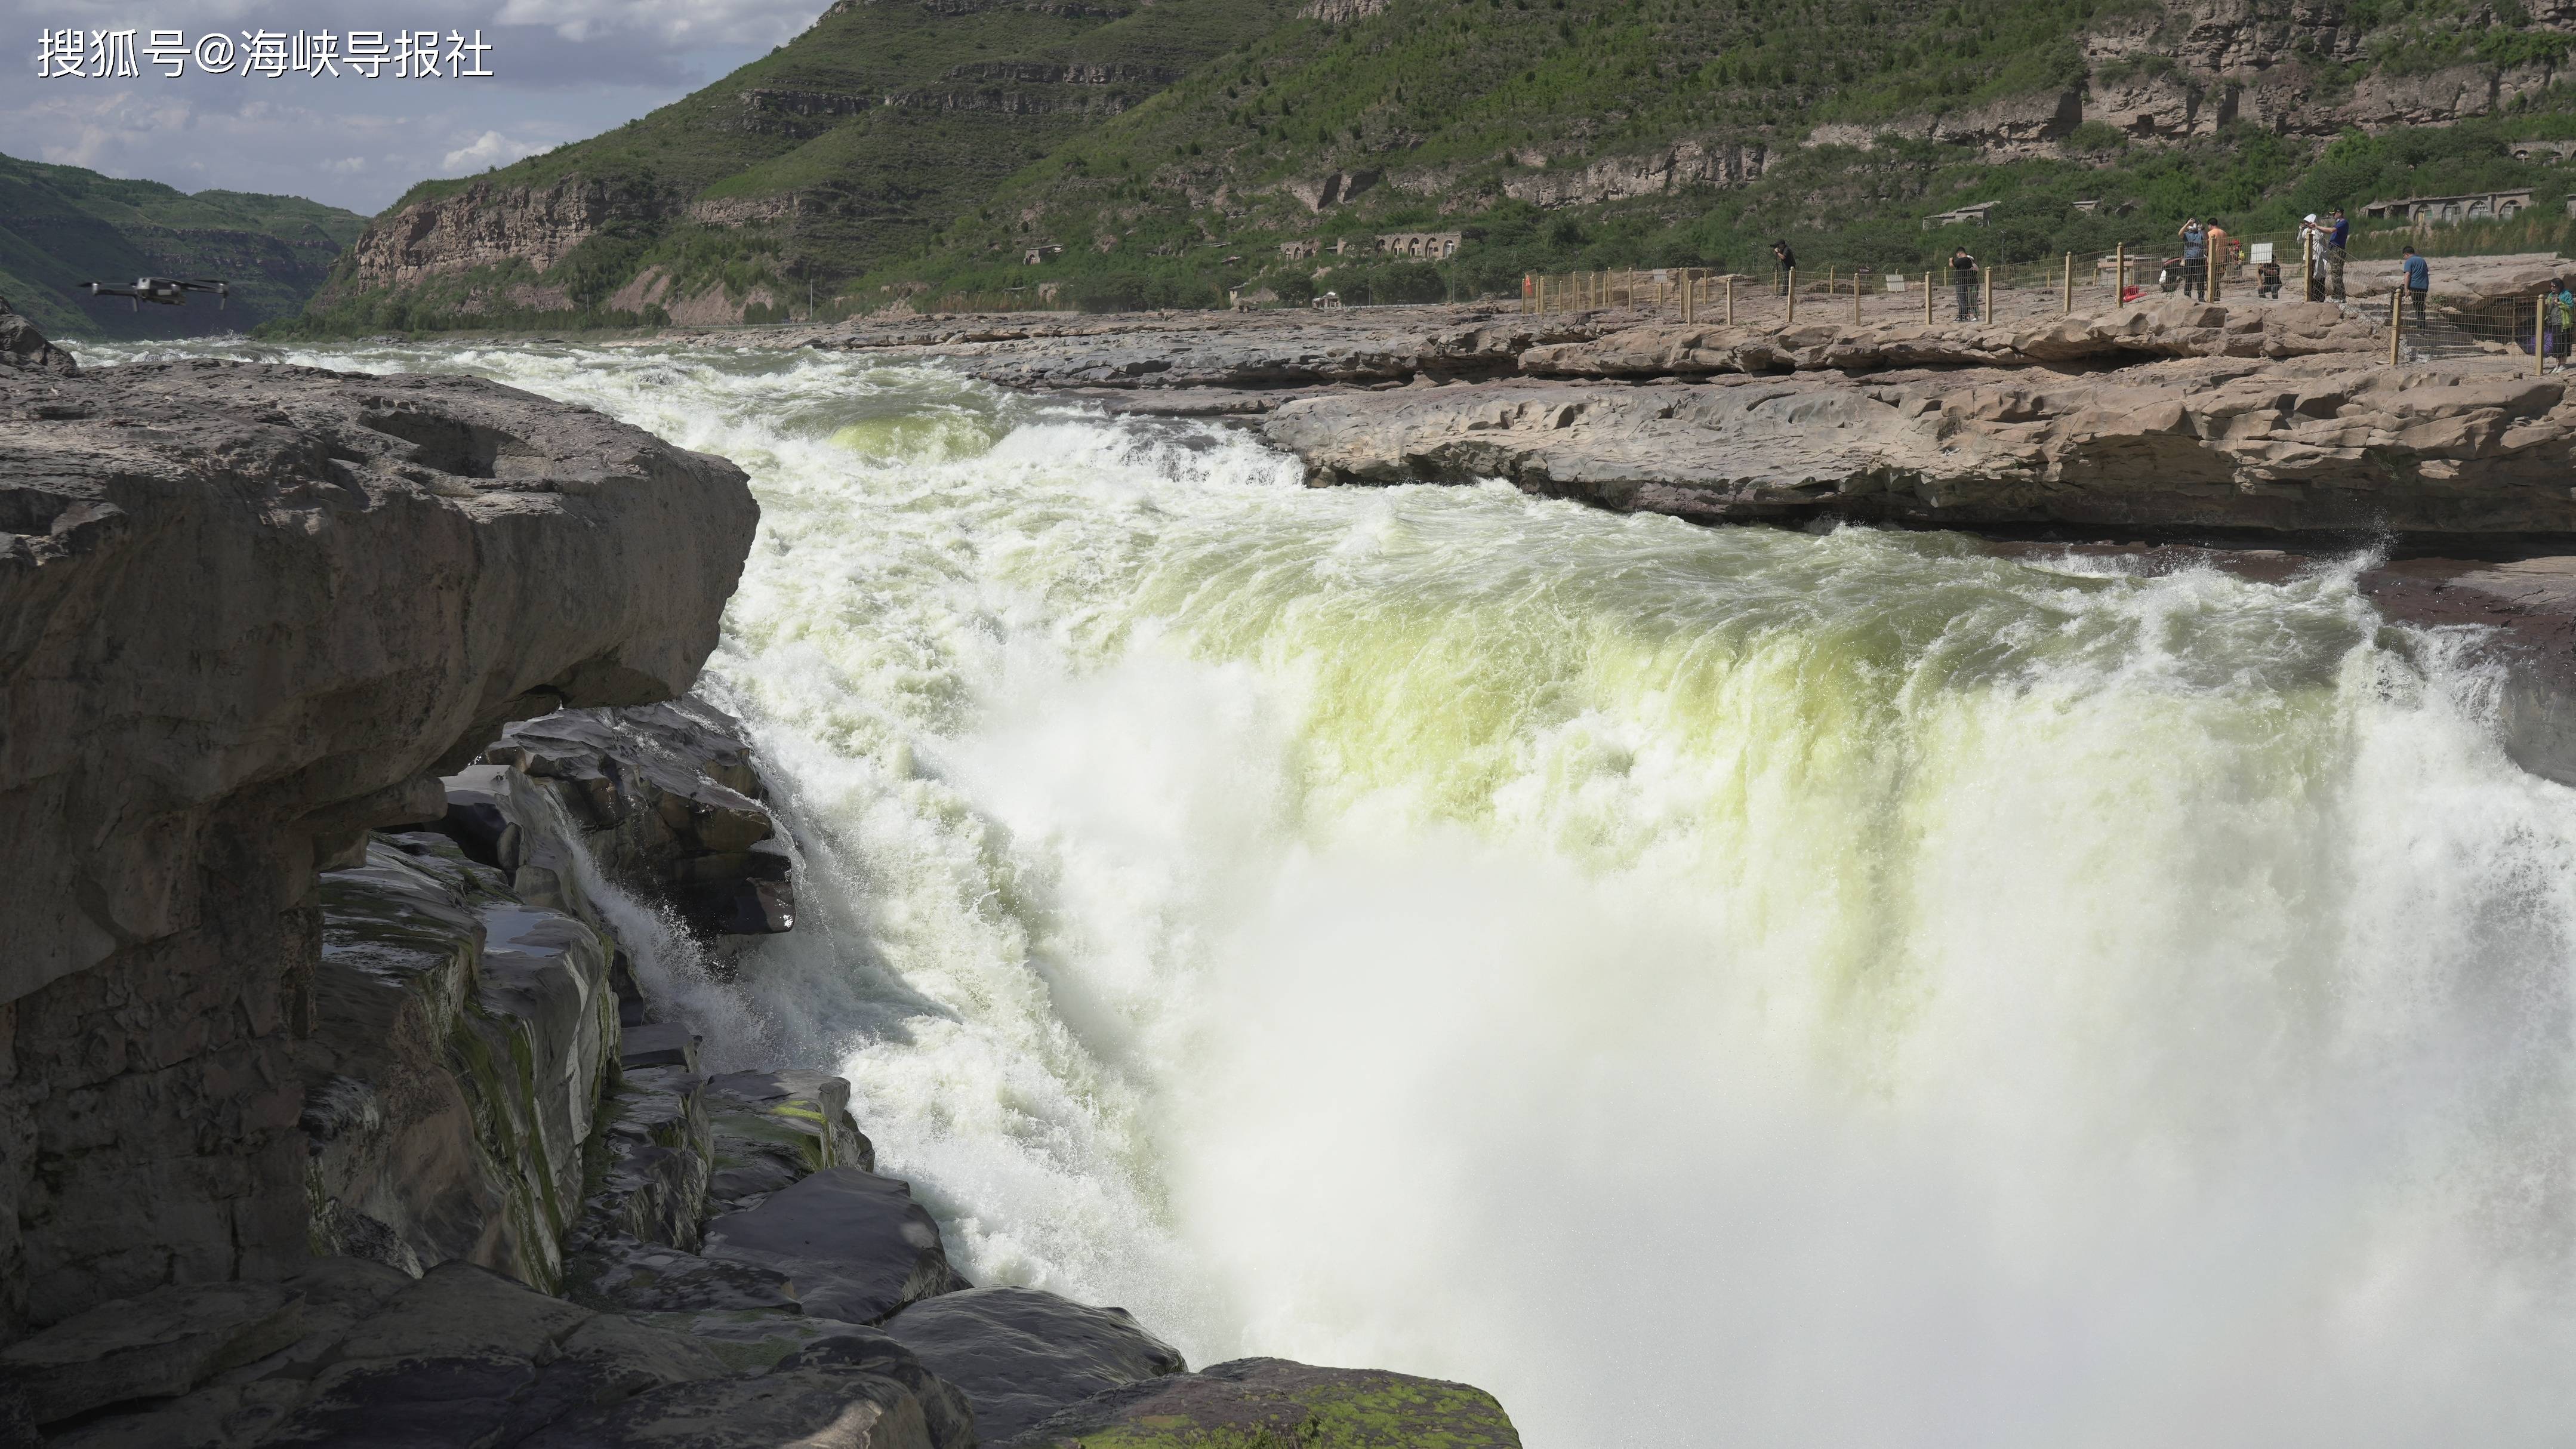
point(1705, 986)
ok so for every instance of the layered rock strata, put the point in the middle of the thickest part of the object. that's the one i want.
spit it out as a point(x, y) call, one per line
point(2317, 444)
point(247, 613)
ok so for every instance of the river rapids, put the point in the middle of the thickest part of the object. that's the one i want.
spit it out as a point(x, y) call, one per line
point(1703, 985)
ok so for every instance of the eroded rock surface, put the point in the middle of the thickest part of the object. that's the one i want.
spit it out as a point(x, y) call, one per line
point(1022, 1355)
point(24, 347)
point(1273, 1401)
point(246, 613)
point(2315, 444)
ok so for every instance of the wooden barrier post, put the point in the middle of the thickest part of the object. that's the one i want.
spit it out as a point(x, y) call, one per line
point(1793, 299)
point(2396, 319)
point(2119, 273)
point(1730, 299)
point(1927, 299)
point(1855, 299)
point(2539, 331)
point(2070, 285)
point(1986, 307)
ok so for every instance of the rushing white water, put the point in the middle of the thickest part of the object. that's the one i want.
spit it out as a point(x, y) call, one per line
point(1706, 986)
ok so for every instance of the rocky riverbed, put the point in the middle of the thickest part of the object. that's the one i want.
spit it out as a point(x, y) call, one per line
point(2178, 415)
point(338, 711)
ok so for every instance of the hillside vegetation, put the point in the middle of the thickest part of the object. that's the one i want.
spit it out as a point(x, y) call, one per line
point(931, 151)
point(61, 226)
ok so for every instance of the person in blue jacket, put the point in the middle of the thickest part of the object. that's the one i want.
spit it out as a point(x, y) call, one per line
point(2419, 280)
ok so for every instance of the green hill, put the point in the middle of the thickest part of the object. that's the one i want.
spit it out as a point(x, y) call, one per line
point(850, 147)
point(943, 150)
point(1563, 134)
point(61, 226)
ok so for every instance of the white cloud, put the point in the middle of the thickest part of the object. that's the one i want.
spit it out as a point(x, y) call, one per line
point(759, 23)
point(489, 149)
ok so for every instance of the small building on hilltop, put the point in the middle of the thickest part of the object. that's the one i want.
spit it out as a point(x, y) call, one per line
point(1966, 215)
point(1429, 245)
point(1303, 249)
point(2472, 206)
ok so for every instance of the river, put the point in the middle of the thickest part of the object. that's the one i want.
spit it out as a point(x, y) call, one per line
point(1705, 986)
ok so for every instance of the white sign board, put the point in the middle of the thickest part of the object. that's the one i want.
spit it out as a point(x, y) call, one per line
point(2259, 253)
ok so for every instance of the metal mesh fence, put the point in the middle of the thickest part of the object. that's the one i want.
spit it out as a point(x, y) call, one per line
point(2531, 330)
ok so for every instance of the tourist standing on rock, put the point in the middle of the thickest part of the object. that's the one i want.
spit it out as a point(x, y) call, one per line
point(2214, 246)
point(1788, 261)
point(1963, 275)
point(2312, 242)
point(2195, 258)
point(2419, 280)
point(2336, 235)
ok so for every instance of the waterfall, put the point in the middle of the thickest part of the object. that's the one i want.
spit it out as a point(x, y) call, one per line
point(1705, 986)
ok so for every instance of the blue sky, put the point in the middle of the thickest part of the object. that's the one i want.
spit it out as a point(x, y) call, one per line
point(563, 69)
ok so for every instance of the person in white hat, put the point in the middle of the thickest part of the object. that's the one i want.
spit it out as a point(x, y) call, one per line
point(2312, 241)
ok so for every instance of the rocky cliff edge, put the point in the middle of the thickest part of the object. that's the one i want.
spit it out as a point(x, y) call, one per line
point(247, 613)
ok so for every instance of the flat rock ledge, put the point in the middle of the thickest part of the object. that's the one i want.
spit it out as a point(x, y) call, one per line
point(2317, 443)
point(2279, 417)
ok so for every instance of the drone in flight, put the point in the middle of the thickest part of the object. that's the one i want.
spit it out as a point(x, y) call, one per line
point(168, 291)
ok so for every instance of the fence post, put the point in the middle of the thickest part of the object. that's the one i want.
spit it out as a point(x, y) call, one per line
point(1986, 307)
point(2119, 273)
point(2539, 329)
point(1730, 299)
point(2396, 318)
point(1793, 299)
point(2070, 286)
point(1927, 299)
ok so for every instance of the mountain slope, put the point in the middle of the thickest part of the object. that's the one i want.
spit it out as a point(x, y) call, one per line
point(850, 146)
point(61, 226)
point(1604, 133)
point(940, 150)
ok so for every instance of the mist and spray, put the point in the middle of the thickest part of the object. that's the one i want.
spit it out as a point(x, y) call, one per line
point(1704, 986)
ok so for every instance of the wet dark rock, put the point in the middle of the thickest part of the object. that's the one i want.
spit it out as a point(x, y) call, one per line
point(159, 1345)
point(855, 1245)
point(1021, 1354)
point(658, 1044)
point(947, 1409)
point(633, 1276)
point(455, 1064)
point(667, 799)
point(771, 1129)
point(1274, 1401)
point(814, 1408)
